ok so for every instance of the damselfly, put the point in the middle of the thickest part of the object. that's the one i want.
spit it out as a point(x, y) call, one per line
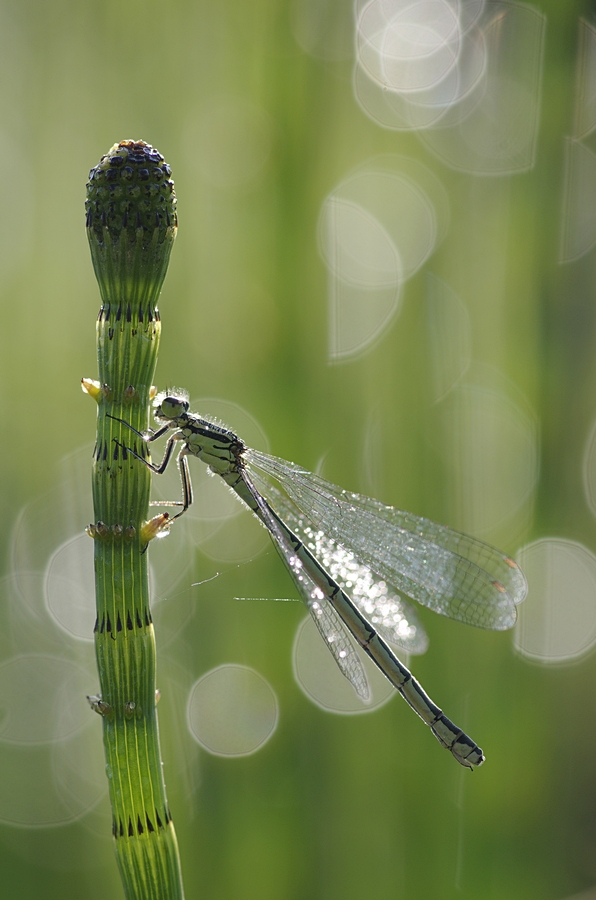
point(335, 544)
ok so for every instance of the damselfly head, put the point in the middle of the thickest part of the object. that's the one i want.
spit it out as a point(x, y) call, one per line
point(170, 405)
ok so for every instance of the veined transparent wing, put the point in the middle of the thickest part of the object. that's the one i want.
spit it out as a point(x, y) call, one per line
point(393, 617)
point(449, 572)
point(330, 626)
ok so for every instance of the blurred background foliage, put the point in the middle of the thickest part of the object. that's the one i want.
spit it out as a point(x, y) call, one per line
point(398, 288)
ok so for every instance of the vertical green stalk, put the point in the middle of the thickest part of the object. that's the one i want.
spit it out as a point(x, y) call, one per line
point(131, 225)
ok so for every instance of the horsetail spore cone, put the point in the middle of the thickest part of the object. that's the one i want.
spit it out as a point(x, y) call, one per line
point(131, 220)
point(131, 225)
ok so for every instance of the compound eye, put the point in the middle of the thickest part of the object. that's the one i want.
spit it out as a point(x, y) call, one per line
point(172, 407)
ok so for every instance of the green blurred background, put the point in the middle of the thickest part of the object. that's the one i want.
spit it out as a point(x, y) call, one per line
point(473, 405)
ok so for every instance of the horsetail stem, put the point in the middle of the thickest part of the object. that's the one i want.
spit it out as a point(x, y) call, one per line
point(131, 226)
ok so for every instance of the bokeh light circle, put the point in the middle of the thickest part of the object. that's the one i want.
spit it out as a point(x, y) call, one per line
point(232, 711)
point(320, 679)
point(557, 621)
point(42, 699)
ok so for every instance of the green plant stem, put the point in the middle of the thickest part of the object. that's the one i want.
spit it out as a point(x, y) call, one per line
point(130, 262)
